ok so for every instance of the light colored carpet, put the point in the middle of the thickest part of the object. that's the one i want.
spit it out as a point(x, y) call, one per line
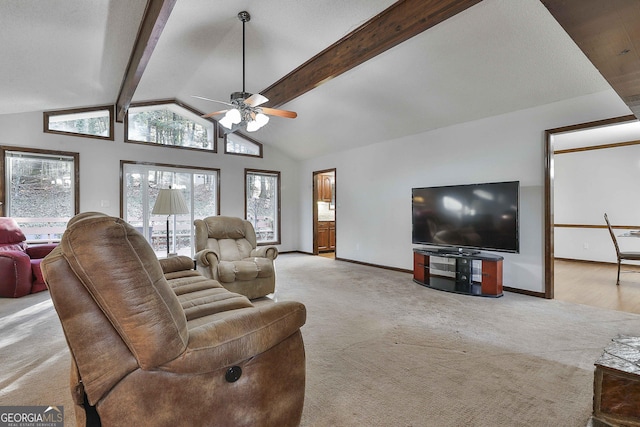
point(383, 351)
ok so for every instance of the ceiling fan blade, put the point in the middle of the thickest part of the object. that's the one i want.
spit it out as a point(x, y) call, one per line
point(215, 113)
point(212, 100)
point(279, 113)
point(255, 100)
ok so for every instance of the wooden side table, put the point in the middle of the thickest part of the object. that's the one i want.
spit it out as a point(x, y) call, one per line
point(616, 384)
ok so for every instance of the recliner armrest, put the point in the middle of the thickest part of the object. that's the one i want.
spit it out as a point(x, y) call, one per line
point(243, 334)
point(270, 252)
point(40, 251)
point(15, 274)
point(203, 258)
point(176, 263)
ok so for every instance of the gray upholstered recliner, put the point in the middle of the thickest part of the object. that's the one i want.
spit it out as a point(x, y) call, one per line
point(154, 343)
point(227, 252)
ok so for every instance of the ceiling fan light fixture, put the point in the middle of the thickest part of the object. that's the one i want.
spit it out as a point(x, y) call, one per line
point(232, 117)
point(252, 126)
point(259, 121)
point(262, 119)
point(226, 123)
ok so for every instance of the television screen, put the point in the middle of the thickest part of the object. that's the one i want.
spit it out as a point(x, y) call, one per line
point(479, 216)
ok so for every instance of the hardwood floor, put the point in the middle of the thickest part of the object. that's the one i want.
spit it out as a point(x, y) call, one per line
point(594, 284)
point(327, 254)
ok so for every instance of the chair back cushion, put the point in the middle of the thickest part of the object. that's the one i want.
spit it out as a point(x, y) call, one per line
point(225, 227)
point(119, 269)
point(234, 250)
point(99, 352)
point(11, 237)
point(232, 238)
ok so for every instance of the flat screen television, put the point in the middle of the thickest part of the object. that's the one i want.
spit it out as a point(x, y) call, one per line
point(474, 216)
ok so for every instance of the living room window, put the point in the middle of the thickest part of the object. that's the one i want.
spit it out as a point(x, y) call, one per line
point(262, 204)
point(40, 190)
point(93, 122)
point(169, 123)
point(141, 183)
point(238, 144)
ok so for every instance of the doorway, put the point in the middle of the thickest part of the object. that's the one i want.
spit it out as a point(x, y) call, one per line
point(550, 225)
point(324, 213)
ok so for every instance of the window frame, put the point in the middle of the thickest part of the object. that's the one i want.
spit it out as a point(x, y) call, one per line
point(35, 151)
point(278, 175)
point(110, 108)
point(251, 140)
point(161, 102)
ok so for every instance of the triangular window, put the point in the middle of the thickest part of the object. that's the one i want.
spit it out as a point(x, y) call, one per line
point(235, 143)
point(94, 122)
point(169, 123)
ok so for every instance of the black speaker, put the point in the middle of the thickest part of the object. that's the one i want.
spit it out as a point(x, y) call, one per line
point(464, 270)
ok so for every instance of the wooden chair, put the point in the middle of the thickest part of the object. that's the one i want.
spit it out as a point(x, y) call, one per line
point(632, 256)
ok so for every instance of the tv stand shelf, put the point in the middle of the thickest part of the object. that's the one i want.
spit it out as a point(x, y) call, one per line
point(471, 273)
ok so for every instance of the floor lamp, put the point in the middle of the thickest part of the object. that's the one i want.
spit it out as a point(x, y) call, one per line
point(169, 202)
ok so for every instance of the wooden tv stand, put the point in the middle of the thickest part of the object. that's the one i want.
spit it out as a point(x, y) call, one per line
point(471, 273)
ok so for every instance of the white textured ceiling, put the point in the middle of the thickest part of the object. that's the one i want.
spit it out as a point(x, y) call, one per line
point(497, 56)
point(64, 53)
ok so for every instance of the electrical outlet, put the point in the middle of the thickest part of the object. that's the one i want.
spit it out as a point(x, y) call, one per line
point(585, 246)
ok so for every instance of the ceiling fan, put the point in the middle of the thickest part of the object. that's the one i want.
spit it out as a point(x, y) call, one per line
point(246, 107)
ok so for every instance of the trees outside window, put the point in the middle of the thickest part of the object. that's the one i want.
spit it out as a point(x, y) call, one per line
point(235, 143)
point(169, 123)
point(93, 122)
point(140, 186)
point(40, 190)
point(262, 204)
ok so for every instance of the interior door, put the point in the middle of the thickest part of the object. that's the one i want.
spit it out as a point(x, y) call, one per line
point(324, 211)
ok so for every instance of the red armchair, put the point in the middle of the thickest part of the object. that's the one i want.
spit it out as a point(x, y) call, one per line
point(20, 263)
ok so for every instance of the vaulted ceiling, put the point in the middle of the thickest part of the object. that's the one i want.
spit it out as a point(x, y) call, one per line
point(488, 57)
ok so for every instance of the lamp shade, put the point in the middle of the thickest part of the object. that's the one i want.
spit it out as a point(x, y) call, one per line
point(170, 202)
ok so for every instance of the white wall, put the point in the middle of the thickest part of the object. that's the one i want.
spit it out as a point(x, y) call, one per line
point(100, 168)
point(373, 184)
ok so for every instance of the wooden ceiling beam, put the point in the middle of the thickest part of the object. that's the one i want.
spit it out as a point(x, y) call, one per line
point(401, 21)
point(608, 32)
point(154, 19)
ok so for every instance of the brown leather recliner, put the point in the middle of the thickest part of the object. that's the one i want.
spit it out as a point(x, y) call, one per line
point(160, 345)
point(227, 252)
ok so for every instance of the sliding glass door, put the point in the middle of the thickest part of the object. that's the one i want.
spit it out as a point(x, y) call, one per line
point(140, 186)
